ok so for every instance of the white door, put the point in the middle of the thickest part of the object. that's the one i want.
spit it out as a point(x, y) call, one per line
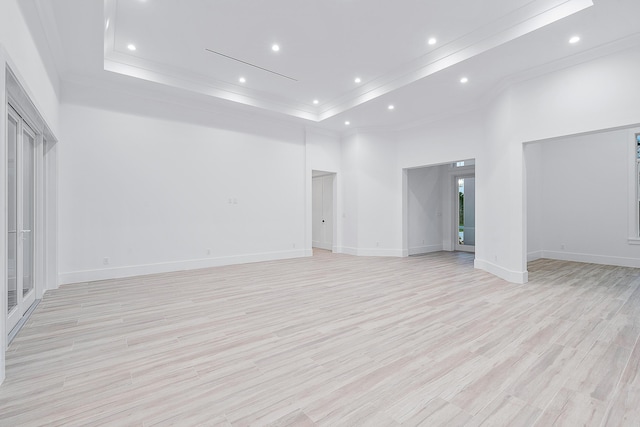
point(322, 212)
point(21, 183)
point(465, 213)
point(317, 227)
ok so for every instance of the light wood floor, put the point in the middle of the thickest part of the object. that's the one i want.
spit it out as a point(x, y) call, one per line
point(334, 340)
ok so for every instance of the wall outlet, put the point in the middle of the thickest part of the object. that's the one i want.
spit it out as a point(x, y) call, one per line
point(208, 251)
point(377, 244)
point(105, 261)
point(294, 245)
point(562, 246)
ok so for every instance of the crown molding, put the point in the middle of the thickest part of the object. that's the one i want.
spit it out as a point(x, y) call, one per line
point(523, 20)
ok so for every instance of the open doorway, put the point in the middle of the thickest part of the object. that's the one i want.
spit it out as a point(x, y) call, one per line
point(323, 210)
point(439, 208)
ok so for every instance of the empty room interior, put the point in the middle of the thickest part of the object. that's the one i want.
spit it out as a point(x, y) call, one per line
point(332, 213)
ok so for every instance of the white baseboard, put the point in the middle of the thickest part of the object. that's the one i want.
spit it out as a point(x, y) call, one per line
point(369, 251)
point(141, 270)
point(503, 273)
point(379, 252)
point(325, 246)
point(532, 256)
point(347, 250)
point(592, 259)
point(425, 249)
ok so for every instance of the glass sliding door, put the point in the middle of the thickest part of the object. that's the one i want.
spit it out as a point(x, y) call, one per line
point(21, 182)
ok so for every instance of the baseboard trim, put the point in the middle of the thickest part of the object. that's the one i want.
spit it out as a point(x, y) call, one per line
point(325, 246)
point(592, 259)
point(418, 250)
point(370, 251)
point(532, 256)
point(144, 269)
point(512, 276)
point(347, 250)
point(380, 252)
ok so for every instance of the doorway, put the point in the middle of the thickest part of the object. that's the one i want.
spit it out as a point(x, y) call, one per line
point(439, 208)
point(465, 213)
point(21, 224)
point(322, 210)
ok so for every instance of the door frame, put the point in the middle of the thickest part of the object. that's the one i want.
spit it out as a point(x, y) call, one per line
point(334, 208)
point(456, 212)
point(45, 262)
point(24, 302)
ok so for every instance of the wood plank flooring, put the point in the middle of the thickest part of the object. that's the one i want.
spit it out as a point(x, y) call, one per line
point(334, 340)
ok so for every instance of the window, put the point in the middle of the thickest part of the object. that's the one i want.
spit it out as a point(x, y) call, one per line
point(464, 163)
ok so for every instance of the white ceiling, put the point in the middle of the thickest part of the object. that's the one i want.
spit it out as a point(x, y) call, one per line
point(324, 45)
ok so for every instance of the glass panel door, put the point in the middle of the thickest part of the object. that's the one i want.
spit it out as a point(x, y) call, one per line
point(21, 182)
point(465, 222)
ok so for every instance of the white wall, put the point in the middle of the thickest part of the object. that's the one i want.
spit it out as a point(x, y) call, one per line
point(595, 95)
point(446, 141)
point(424, 209)
point(372, 196)
point(18, 51)
point(534, 173)
point(349, 200)
point(379, 196)
point(584, 198)
point(373, 162)
point(21, 53)
point(154, 195)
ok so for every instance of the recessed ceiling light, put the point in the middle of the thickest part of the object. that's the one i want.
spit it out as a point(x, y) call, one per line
point(432, 41)
point(347, 123)
point(275, 48)
point(391, 107)
point(574, 39)
point(464, 80)
point(357, 80)
point(316, 102)
point(242, 80)
point(131, 47)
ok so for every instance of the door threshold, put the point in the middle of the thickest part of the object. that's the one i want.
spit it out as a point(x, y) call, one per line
point(21, 322)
